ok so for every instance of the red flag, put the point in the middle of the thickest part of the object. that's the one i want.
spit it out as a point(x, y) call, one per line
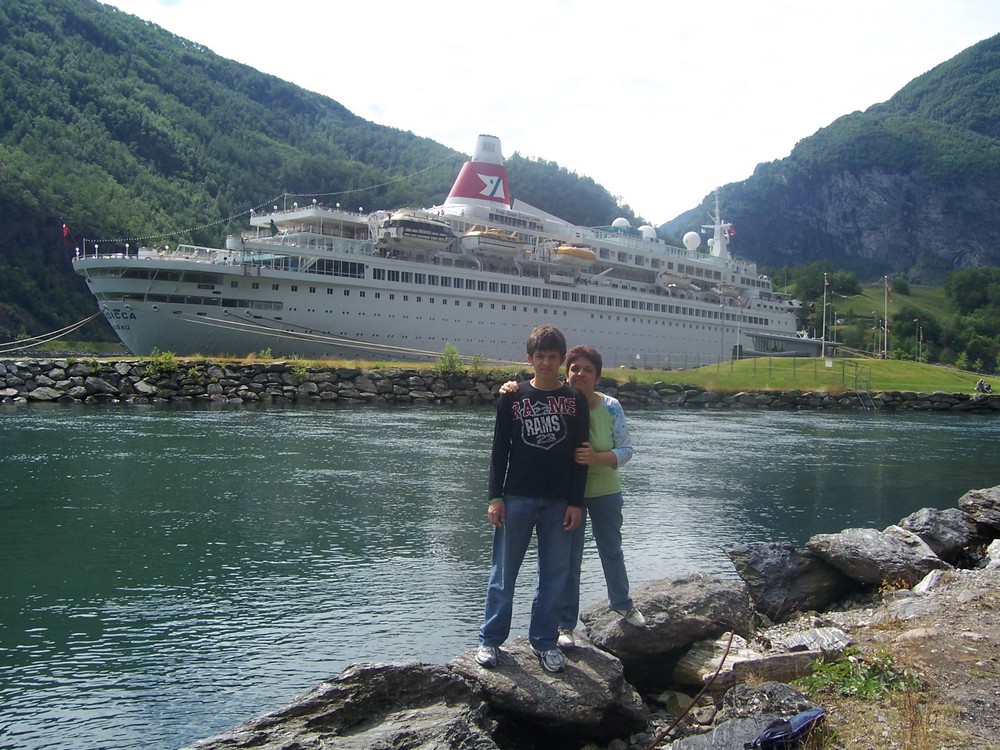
point(66, 236)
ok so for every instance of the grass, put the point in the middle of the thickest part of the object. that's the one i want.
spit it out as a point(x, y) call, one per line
point(813, 374)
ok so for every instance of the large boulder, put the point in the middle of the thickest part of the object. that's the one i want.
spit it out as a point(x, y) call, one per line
point(782, 580)
point(893, 557)
point(590, 699)
point(949, 532)
point(983, 506)
point(679, 611)
point(373, 705)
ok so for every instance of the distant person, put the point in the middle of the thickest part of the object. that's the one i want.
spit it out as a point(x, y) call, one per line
point(535, 486)
point(608, 449)
point(983, 387)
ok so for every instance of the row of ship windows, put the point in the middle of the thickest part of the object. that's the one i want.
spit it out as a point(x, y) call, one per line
point(269, 305)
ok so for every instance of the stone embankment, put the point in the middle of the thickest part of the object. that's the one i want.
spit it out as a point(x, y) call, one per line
point(203, 381)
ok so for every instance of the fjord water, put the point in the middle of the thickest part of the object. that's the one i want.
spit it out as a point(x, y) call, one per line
point(169, 573)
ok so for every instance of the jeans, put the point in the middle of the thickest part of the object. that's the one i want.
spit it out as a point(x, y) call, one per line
point(605, 514)
point(510, 542)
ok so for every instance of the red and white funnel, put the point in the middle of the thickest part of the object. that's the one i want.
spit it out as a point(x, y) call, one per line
point(482, 181)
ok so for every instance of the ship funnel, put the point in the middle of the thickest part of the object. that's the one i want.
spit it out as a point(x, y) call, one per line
point(482, 181)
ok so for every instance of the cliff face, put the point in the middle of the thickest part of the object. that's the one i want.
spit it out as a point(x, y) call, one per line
point(909, 186)
point(872, 221)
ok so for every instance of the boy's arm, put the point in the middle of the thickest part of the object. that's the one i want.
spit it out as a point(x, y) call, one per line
point(500, 454)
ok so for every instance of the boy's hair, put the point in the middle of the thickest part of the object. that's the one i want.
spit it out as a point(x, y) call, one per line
point(585, 352)
point(546, 338)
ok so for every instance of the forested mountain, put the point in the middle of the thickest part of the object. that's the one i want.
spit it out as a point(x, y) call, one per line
point(123, 131)
point(909, 187)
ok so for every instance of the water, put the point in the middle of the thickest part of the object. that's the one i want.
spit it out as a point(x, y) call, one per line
point(169, 573)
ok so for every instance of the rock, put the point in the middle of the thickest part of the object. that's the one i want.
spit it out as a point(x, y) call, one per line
point(591, 699)
point(782, 580)
point(947, 532)
point(373, 705)
point(983, 506)
point(679, 612)
point(875, 557)
point(830, 641)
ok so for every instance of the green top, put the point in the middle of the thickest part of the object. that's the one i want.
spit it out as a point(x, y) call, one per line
point(601, 480)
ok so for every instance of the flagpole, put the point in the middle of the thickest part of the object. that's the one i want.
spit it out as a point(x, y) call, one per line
point(885, 317)
point(823, 345)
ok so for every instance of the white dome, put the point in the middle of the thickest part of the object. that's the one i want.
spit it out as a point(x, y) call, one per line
point(621, 223)
point(647, 232)
point(691, 241)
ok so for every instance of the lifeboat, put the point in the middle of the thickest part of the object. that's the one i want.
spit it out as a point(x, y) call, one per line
point(574, 256)
point(674, 280)
point(414, 230)
point(492, 242)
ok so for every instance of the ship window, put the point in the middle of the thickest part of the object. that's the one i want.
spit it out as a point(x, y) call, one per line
point(494, 286)
point(470, 284)
point(329, 290)
point(407, 277)
point(378, 274)
point(255, 285)
point(274, 287)
point(347, 292)
point(505, 289)
point(234, 284)
point(481, 286)
point(312, 290)
point(361, 294)
point(393, 275)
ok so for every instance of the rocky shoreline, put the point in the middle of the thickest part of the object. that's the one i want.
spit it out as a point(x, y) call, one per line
point(91, 381)
point(734, 643)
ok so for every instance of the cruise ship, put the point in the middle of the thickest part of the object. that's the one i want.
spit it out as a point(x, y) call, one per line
point(478, 272)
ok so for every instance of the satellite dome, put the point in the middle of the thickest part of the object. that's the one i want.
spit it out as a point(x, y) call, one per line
point(691, 241)
point(647, 232)
point(621, 223)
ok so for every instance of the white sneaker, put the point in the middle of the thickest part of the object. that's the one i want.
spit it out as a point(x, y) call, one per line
point(488, 656)
point(633, 617)
point(566, 639)
point(552, 660)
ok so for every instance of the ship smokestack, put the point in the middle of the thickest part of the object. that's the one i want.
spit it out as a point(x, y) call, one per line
point(482, 181)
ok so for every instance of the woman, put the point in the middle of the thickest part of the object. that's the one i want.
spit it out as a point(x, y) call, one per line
point(609, 448)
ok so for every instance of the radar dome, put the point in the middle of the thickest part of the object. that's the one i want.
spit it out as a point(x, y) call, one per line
point(621, 223)
point(647, 232)
point(691, 241)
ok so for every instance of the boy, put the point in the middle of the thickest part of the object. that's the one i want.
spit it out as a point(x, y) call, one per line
point(535, 486)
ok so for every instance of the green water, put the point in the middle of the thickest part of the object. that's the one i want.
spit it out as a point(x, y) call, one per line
point(169, 573)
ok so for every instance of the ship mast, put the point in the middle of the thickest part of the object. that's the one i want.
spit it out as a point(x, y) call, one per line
point(719, 244)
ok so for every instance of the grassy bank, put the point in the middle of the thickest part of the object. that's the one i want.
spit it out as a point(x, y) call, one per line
point(831, 375)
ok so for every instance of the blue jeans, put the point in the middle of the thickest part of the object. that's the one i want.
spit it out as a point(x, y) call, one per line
point(510, 542)
point(605, 514)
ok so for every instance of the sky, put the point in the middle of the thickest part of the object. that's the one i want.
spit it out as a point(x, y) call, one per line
point(659, 101)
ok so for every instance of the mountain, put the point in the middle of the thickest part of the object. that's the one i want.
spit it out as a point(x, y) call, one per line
point(125, 132)
point(907, 187)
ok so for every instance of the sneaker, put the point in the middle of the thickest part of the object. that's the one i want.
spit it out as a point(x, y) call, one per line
point(488, 656)
point(552, 660)
point(566, 639)
point(633, 617)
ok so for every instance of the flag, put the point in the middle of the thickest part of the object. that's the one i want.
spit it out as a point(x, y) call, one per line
point(888, 289)
point(826, 281)
point(66, 236)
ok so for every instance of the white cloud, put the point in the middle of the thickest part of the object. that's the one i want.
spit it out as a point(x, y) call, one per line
point(659, 102)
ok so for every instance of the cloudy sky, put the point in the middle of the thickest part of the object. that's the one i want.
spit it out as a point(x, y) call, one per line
point(659, 101)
